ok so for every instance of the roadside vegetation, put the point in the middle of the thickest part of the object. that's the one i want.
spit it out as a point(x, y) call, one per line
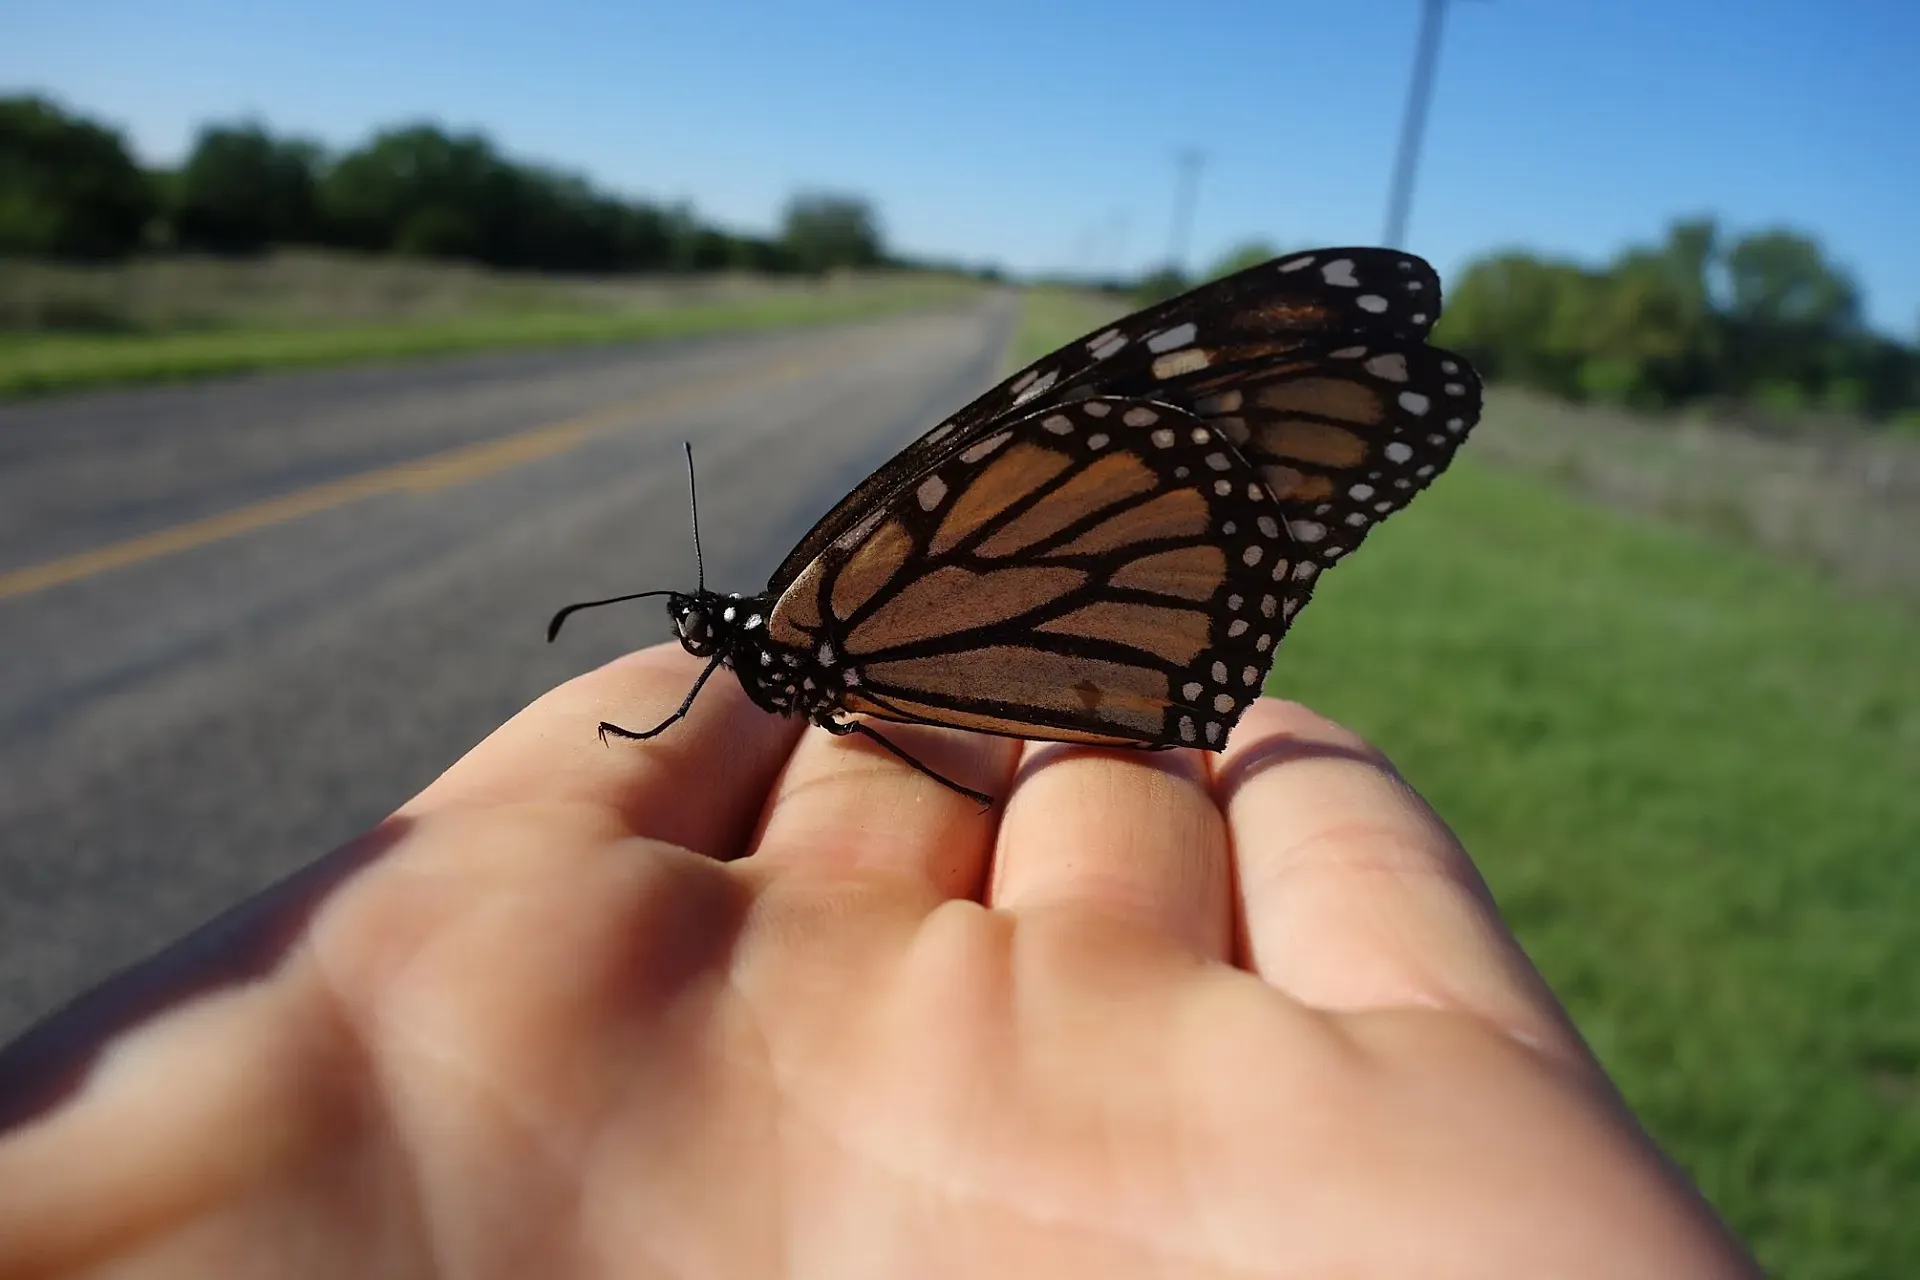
point(66, 327)
point(263, 250)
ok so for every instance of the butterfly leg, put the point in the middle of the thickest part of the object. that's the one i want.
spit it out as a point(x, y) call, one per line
point(632, 735)
point(840, 729)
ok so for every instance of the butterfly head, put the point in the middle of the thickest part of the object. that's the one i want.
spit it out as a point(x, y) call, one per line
point(708, 623)
point(697, 622)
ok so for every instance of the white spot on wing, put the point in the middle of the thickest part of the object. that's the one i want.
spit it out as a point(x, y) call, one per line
point(1139, 416)
point(1414, 403)
point(1035, 387)
point(1296, 264)
point(1107, 345)
point(1372, 302)
point(1340, 272)
point(1398, 451)
point(1173, 339)
point(1392, 367)
point(1192, 360)
point(1306, 530)
point(973, 453)
point(931, 490)
point(1059, 424)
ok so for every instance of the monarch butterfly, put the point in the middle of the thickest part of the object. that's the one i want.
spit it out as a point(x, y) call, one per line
point(1107, 547)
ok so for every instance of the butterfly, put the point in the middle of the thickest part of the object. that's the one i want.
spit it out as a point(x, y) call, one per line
point(1107, 547)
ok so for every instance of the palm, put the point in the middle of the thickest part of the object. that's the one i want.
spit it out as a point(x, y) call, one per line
point(562, 1027)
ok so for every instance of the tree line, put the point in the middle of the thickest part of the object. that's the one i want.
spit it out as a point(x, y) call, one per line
point(1763, 318)
point(70, 189)
point(1760, 319)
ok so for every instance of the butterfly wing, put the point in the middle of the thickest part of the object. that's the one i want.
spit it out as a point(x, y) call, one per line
point(1232, 327)
point(1106, 571)
point(1343, 436)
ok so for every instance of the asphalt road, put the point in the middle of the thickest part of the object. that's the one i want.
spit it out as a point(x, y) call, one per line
point(241, 621)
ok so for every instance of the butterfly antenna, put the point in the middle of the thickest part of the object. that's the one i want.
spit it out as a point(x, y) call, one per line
point(553, 628)
point(693, 502)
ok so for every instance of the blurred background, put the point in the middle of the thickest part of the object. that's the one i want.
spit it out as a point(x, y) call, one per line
point(340, 344)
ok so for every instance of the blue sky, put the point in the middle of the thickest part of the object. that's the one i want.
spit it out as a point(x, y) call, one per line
point(1043, 135)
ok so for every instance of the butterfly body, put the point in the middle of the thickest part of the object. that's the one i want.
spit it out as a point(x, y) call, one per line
point(779, 678)
point(1108, 547)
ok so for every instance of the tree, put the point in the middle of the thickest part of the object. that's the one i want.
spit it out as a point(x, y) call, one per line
point(822, 230)
point(1765, 318)
point(419, 189)
point(1159, 285)
point(68, 187)
point(241, 190)
point(1790, 316)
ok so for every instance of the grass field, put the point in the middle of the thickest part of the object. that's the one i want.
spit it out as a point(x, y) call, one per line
point(66, 328)
point(1692, 776)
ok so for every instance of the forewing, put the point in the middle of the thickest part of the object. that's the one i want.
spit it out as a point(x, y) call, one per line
point(1245, 321)
point(1108, 570)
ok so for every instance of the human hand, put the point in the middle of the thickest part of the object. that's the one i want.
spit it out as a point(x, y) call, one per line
point(729, 1004)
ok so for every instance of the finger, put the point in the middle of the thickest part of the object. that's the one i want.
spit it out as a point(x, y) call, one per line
point(1128, 836)
point(847, 805)
point(1355, 895)
point(700, 784)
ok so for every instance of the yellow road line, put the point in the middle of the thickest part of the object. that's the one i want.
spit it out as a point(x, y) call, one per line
point(442, 470)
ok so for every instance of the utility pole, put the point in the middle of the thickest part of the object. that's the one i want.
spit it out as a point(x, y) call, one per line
point(1120, 222)
point(1413, 125)
point(1186, 183)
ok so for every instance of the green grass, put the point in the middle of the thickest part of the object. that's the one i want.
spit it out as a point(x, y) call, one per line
point(1692, 776)
point(1055, 317)
point(36, 363)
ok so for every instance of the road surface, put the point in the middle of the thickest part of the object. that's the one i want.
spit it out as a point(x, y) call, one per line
point(242, 621)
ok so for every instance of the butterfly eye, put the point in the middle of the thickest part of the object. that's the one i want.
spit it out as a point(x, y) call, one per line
point(696, 631)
